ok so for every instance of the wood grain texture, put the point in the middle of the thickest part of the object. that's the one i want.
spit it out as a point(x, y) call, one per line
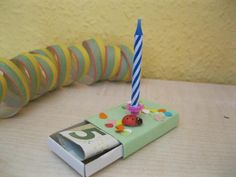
point(203, 145)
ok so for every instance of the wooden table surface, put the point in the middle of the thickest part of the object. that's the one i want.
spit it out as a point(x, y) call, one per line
point(203, 145)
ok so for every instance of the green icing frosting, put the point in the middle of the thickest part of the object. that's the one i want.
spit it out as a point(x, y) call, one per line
point(150, 130)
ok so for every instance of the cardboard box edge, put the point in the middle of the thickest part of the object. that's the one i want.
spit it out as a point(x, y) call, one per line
point(65, 156)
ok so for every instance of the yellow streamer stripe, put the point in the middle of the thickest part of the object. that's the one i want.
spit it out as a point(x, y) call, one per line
point(128, 75)
point(53, 70)
point(36, 69)
point(87, 61)
point(47, 71)
point(117, 58)
point(101, 46)
point(50, 56)
point(68, 79)
point(3, 85)
point(20, 76)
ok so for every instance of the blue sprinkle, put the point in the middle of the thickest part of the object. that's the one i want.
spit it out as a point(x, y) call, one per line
point(168, 114)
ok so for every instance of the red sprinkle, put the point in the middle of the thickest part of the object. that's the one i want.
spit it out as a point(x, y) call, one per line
point(109, 125)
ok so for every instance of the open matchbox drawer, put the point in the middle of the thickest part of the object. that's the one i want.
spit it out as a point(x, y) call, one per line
point(86, 167)
point(150, 130)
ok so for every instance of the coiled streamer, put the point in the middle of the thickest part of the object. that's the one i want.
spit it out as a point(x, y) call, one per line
point(31, 74)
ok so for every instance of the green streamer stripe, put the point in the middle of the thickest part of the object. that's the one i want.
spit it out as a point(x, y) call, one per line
point(74, 67)
point(110, 59)
point(123, 69)
point(46, 53)
point(128, 54)
point(76, 53)
point(33, 81)
point(95, 58)
point(92, 68)
point(29, 75)
point(61, 63)
point(14, 80)
point(48, 71)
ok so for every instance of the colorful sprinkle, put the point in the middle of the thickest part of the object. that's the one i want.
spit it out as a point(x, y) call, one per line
point(153, 110)
point(146, 111)
point(102, 115)
point(168, 114)
point(120, 128)
point(161, 110)
point(118, 122)
point(109, 125)
point(112, 122)
point(126, 132)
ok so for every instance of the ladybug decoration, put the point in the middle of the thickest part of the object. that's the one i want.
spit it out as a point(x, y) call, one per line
point(132, 120)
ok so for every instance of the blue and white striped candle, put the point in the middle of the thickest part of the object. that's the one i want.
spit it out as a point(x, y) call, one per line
point(136, 73)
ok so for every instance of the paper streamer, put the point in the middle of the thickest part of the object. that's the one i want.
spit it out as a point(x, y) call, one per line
point(3, 88)
point(31, 70)
point(31, 74)
point(81, 61)
point(17, 94)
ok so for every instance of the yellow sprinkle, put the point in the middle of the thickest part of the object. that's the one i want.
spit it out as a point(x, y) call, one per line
point(118, 122)
point(153, 110)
